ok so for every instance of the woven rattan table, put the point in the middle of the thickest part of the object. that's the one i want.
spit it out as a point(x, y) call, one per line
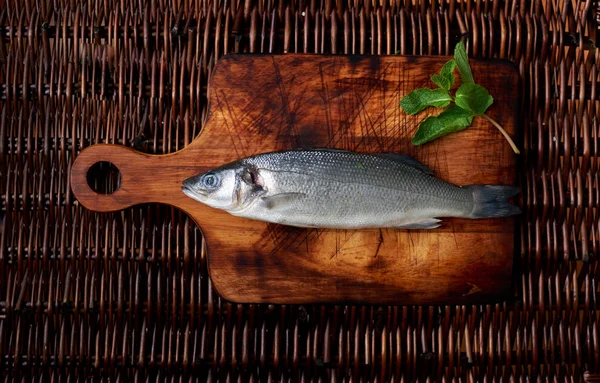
point(126, 296)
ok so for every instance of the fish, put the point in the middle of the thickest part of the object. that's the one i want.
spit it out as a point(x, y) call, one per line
point(340, 189)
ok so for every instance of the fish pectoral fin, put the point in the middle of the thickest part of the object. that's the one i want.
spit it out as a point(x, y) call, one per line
point(430, 223)
point(281, 200)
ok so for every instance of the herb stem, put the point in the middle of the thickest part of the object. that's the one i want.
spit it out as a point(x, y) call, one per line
point(504, 133)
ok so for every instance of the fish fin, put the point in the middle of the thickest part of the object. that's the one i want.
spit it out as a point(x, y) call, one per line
point(408, 161)
point(430, 223)
point(282, 199)
point(491, 201)
point(331, 150)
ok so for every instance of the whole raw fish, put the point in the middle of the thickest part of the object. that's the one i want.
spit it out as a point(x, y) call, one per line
point(330, 188)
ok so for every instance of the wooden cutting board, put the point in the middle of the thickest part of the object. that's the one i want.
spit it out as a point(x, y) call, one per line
point(262, 103)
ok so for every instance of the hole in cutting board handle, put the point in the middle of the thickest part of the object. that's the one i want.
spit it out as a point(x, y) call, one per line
point(104, 177)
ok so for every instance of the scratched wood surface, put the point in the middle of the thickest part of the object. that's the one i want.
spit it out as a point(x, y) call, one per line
point(261, 103)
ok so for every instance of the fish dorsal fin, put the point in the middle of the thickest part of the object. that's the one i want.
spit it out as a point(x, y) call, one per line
point(408, 161)
point(332, 150)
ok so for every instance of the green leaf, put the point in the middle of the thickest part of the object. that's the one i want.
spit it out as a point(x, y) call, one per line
point(462, 61)
point(419, 99)
point(445, 79)
point(451, 120)
point(474, 98)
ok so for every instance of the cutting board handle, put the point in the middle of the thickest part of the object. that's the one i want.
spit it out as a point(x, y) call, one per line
point(122, 158)
point(145, 178)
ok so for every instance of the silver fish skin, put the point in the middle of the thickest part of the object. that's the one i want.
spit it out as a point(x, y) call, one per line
point(338, 189)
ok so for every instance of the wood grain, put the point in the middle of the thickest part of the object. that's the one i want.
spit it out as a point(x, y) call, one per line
point(261, 103)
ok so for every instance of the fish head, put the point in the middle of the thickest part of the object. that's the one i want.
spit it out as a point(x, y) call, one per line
point(214, 188)
point(230, 188)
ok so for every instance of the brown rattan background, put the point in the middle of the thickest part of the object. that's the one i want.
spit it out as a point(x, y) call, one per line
point(126, 296)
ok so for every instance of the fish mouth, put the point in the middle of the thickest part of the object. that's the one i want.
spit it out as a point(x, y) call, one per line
point(194, 194)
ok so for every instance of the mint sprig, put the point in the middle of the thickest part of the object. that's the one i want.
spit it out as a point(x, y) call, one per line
point(470, 100)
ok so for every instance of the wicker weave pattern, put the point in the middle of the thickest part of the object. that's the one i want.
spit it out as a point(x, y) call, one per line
point(127, 295)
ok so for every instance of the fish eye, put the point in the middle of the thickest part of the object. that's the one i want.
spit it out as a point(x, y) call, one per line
point(210, 181)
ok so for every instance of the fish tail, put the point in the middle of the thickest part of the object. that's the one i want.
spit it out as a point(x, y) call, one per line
point(491, 201)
